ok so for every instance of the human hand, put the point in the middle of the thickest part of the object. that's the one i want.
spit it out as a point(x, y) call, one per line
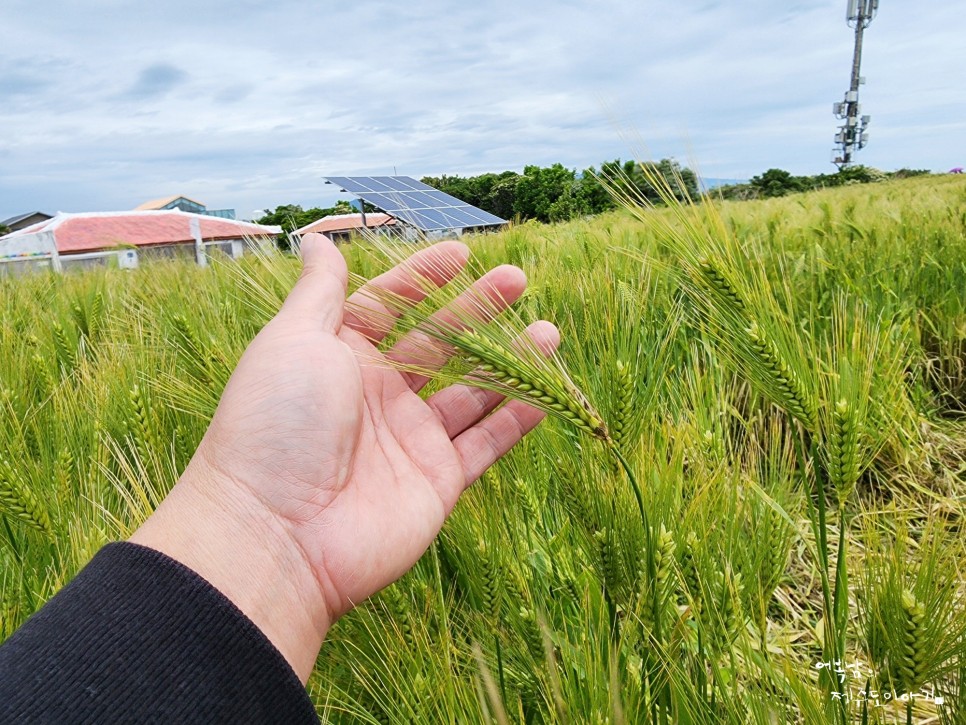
point(324, 475)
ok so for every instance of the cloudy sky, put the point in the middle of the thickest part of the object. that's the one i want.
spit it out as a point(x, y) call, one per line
point(247, 104)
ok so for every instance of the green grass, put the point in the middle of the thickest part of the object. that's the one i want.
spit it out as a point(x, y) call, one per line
point(788, 381)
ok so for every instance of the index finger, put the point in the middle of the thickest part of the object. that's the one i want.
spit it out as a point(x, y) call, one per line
point(408, 282)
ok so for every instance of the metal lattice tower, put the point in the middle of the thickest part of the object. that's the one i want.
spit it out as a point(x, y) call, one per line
point(852, 135)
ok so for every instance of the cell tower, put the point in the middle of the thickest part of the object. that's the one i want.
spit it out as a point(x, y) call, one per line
point(852, 134)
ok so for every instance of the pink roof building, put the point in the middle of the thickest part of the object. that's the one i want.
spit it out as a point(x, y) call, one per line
point(97, 231)
point(168, 233)
point(339, 227)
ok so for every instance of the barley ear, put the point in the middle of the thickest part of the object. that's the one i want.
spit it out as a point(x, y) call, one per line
point(690, 579)
point(94, 319)
point(843, 449)
point(786, 383)
point(912, 659)
point(140, 423)
point(399, 607)
point(547, 390)
point(41, 374)
point(611, 562)
point(66, 351)
point(491, 581)
point(619, 424)
point(528, 500)
point(718, 282)
point(19, 501)
point(664, 562)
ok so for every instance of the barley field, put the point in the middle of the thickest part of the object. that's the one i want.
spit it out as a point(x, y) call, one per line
point(747, 509)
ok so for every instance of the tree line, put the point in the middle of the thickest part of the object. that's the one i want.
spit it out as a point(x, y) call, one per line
point(778, 182)
point(548, 194)
point(556, 193)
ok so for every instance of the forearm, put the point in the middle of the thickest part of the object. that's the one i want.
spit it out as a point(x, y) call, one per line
point(139, 637)
point(212, 527)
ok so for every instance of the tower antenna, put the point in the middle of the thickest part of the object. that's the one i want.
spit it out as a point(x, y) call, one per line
point(852, 135)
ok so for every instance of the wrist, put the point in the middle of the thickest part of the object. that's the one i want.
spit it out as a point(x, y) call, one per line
point(225, 534)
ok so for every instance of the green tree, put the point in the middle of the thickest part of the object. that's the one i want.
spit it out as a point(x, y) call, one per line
point(502, 195)
point(292, 216)
point(597, 198)
point(636, 180)
point(457, 186)
point(556, 193)
point(778, 182)
point(541, 188)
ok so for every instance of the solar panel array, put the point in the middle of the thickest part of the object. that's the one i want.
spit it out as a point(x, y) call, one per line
point(415, 203)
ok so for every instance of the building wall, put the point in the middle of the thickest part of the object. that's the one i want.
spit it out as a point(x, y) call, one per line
point(26, 244)
point(17, 267)
point(115, 259)
point(81, 262)
point(34, 252)
point(183, 250)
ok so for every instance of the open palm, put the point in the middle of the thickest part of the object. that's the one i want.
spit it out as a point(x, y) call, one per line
point(331, 450)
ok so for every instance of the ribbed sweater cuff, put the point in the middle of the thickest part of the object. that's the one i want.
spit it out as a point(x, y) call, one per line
point(139, 637)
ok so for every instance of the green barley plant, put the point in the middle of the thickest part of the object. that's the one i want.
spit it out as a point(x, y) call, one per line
point(913, 622)
point(953, 692)
point(782, 377)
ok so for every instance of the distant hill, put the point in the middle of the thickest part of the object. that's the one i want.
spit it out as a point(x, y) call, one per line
point(708, 183)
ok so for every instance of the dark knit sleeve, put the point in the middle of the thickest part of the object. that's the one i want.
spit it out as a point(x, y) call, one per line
point(138, 637)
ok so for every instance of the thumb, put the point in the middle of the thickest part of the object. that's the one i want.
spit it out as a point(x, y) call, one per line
point(319, 293)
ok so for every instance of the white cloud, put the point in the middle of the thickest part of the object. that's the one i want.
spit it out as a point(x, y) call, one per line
point(248, 104)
